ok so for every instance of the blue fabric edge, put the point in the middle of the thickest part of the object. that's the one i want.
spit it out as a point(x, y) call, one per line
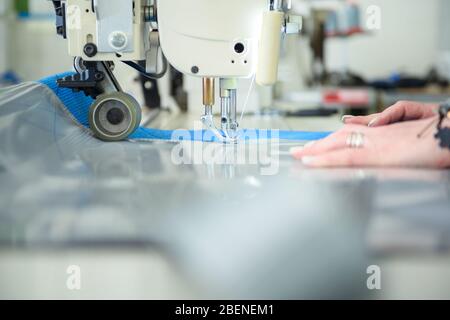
point(77, 103)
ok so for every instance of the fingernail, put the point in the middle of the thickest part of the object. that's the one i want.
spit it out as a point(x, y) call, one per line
point(310, 144)
point(346, 117)
point(295, 150)
point(372, 122)
point(307, 161)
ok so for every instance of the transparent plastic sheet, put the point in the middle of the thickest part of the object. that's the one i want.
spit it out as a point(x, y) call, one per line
point(60, 187)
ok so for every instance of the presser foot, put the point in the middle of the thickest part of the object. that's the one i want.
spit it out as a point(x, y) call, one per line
point(231, 131)
point(225, 135)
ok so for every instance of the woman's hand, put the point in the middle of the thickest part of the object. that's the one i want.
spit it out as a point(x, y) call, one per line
point(401, 111)
point(397, 145)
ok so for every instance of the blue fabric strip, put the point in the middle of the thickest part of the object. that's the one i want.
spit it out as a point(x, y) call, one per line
point(78, 104)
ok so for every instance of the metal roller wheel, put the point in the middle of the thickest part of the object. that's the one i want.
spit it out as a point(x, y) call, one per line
point(114, 116)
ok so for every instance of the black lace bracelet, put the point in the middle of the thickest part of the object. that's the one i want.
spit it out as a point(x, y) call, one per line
point(443, 133)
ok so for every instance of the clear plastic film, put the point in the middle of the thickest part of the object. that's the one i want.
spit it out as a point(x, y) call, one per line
point(61, 187)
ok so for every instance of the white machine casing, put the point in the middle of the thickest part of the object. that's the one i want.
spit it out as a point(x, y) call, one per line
point(82, 28)
point(201, 35)
point(195, 33)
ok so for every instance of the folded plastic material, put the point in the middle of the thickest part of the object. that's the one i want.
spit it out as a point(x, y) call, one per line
point(78, 105)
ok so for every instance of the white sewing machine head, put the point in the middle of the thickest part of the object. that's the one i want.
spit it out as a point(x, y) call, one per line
point(223, 39)
point(211, 38)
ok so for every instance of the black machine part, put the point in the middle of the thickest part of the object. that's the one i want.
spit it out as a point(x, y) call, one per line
point(114, 115)
point(60, 18)
point(93, 78)
point(443, 133)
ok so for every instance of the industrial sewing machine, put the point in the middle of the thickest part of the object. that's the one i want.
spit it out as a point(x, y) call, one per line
point(220, 40)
